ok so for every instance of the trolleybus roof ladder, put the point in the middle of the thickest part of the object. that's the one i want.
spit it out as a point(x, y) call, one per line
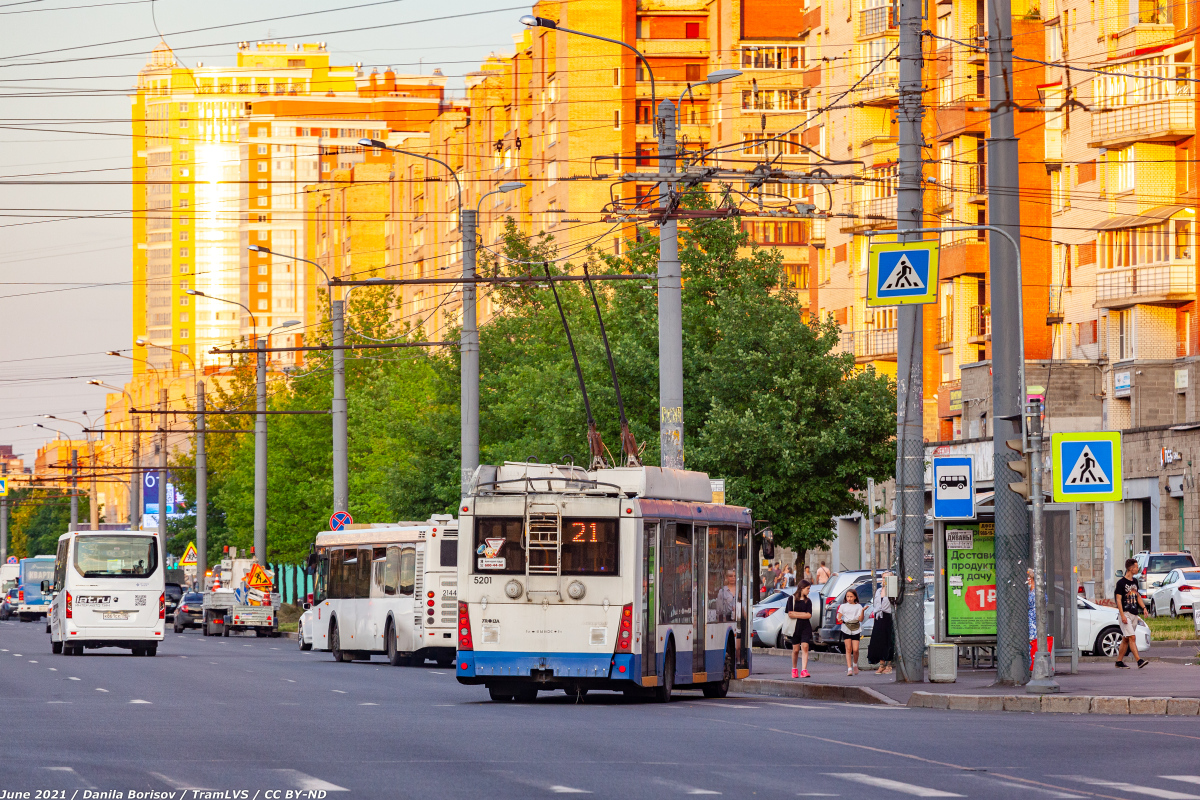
point(543, 545)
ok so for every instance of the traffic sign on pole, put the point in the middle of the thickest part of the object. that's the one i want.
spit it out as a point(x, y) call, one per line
point(339, 520)
point(257, 578)
point(3, 487)
point(1086, 467)
point(953, 487)
point(189, 556)
point(11, 560)
point(902, 274)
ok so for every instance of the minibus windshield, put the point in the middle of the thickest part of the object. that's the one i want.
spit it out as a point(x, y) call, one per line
point(116, 556)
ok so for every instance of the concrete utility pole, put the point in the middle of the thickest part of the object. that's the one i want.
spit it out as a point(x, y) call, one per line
point(162, 475)
point(201, 490)
point(670, 302)
point(260, 455)
point(1008, 357)
point(4, 520)
point(341, 443)
point(135, 480)
point(93, 496)
point(74, 490)
point(469, 354)
point(910, 436)
point(1042, 683)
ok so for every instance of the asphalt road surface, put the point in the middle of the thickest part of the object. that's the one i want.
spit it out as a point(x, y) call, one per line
point(219, 717)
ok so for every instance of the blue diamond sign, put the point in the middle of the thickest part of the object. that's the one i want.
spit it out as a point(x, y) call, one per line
point(902, 274)
point(1086, 467)
point(953, 487)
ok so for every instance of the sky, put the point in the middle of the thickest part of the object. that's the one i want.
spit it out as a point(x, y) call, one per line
point(67, 68)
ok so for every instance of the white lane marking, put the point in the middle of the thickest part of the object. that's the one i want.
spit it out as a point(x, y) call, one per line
point(683, 787)
point(1149, 791)
point(1182, 778)
point(70, 771)
point(793, 705)
point(52, 669)
point(816, 794)
point(443, 705)
point(32, 662)
point(58, 702)
point(140, 702)
point(435, 672)
point(895, 786)
point(98, 689)
point(368, 704)
point(730, 705)
point(274, 648)
point(3, 650)
point(289, 680)
point(566, 790)
point(17, 655)
point(72, 679)
point(177, 784)
point(302, 781)
point(339, 691)
point(246, 645)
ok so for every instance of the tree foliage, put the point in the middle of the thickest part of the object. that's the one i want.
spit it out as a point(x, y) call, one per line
point(794, 427)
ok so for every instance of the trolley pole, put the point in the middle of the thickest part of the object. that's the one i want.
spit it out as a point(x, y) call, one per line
point(910, 439)
point(670, 301)
point(201, 490)
point(74, 490)
point(1008, 358)
point(341, 466)
point(162, 476)
point(260, 455)
point(469, 354)
point(1042, 683)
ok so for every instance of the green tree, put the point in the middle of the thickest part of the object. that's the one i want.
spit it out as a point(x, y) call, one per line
point(38, 518)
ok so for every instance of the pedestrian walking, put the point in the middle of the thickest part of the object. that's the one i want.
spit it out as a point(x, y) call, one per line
point(789, 577)
point(808, 576)
point(822, 573)
point(881, 650)
point(799, 611)
point(1129, 602)
point(850, 618)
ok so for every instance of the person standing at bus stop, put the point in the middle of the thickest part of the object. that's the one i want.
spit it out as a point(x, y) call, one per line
point(881, 649)
point(799, 608)
point(850, 617)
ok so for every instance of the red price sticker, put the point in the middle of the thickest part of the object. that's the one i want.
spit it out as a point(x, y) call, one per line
point(980, 598)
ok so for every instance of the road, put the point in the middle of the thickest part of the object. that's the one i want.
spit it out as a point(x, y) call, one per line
point(255, 715)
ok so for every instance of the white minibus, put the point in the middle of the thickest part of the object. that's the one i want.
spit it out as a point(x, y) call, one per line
point(386, 589)
point(111, 592)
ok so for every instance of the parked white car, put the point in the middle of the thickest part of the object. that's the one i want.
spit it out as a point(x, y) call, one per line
point(1100, 631)
point(769, 615)
point(1176, 594)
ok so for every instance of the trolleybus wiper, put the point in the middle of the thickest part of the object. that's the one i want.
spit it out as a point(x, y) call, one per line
point(595, 444)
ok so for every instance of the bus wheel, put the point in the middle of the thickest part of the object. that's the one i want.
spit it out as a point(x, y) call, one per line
point(335, 643)
point(526, 694)
point(150, 651)
point(394, 656)
point(720, 688)
point(668, 679)
point(56, 648)
point(498, 695)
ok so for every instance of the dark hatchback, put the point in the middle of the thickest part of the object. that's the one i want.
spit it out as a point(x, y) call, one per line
point(190, 611)
point(173, 592)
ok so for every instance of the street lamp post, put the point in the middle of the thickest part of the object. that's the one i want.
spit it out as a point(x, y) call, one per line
point(93, 508)
point(341, 448)
point(135, 480)
point(161, 480)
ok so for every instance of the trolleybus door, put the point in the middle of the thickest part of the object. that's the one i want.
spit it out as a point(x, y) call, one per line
point(699, 599)
point(649, 606)
point(745, 565)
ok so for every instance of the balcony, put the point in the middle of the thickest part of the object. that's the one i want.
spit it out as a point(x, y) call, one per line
point(1166, 284)
point(977, 35)
point(1054, 310)
point(977, 183)
point(979, 324)
point(876, 212)
point(1168, 120)
point(877, 20)
point(1054, 145)
point(945, 331)
point(870, 344)
point(882, 85)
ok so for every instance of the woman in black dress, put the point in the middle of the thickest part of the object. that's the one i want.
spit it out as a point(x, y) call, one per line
point(799, 608)
point(881, 649)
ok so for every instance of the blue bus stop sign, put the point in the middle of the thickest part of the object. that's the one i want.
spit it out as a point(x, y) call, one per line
point(953, 487)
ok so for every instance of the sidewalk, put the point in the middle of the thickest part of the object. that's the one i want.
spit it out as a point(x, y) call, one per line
point(1098, 687)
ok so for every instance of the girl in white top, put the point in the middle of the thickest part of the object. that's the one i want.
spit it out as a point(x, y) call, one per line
point(850, 615)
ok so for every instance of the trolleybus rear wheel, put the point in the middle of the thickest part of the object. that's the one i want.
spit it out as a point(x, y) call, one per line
point(526, 694)
point(394, 656)
point(668, 680)
point(718, 689)
point(499, 695)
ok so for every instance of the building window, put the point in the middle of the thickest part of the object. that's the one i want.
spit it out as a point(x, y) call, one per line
point(691, 30)
point(183, 301)
point(183, 108)
point(183, 269)
point(183, 348)
point(262, 149)
point(770, 57)
point(552, 173)
point(262, 305)
point(262, 166)
point(262, 287)
point(617, 120)
point(183, 286)
point(1124, 169)
point(183, 236)
point(1183, 239)
point(616, 76)
point(183, 333)
point(184, 252)
point(262, 269)
point(183, 123)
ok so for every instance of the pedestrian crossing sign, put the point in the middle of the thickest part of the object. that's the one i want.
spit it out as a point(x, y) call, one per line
point(902, 274)
point(1086, 467)
point(3, 487)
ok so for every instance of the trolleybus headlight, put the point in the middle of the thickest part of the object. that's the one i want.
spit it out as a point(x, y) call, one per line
point(576, 590)
point(513, 589)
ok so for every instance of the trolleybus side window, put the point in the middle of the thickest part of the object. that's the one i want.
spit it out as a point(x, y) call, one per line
point(722, 574)
point(60, 565)
point(408, 569)
point(391, 578)
point(675, 591)
point(379, 570)
point(338, 582)
point(499, 545)
point(589, 547)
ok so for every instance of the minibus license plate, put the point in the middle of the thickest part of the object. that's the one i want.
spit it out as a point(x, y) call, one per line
point(116, 615)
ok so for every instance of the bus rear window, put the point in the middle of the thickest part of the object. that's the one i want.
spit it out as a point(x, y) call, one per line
point(116, 556)
point(589, 546)
point(499, 545)
point(449, 553)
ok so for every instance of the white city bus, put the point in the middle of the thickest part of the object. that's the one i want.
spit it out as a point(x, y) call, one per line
point(110, 592)
point(387, 589)
point(629, 579)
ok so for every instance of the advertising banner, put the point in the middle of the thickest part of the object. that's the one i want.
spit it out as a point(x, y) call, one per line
point(970, 580)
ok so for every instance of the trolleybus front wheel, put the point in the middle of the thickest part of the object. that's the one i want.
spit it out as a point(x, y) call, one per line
point(719, 689)
point(335, 645)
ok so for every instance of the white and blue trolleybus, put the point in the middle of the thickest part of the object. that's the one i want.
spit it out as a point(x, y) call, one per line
point(628, 579)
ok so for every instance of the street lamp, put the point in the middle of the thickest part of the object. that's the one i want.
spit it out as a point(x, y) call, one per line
point(93, 510)
point(253, 319)
point(135, 480)
point(337, 324)
point(714, 77)
point(670, 278)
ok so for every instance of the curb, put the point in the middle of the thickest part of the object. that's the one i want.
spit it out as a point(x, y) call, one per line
point(1059, 703)
point(811, 691)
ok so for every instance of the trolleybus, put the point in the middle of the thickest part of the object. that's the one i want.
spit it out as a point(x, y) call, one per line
point(628, 579)
point(386, 589)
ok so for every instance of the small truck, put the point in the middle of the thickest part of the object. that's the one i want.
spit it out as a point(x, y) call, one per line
point(241, 597)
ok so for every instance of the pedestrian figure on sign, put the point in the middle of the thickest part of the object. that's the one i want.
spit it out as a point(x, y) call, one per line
point(1086, 475)
point(881, 650)
point(1129, 602)
point(903, 281)
point(799, 608)
point(850, 618)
